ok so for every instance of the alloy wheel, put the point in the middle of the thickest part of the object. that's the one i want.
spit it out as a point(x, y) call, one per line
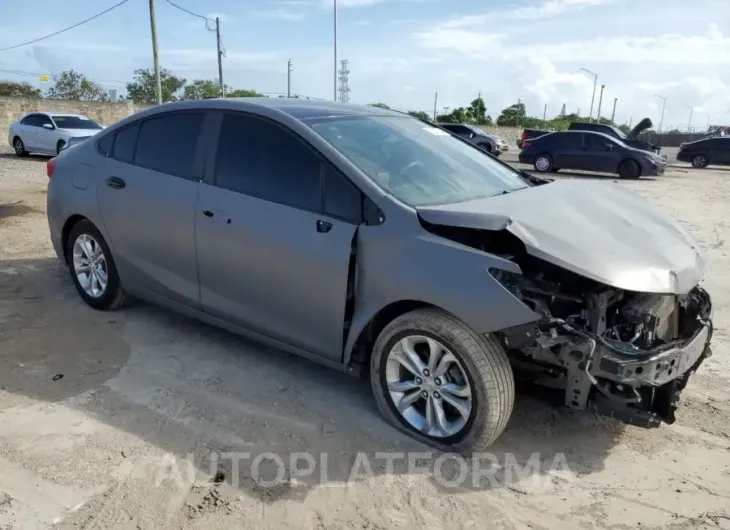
point(18, 146)
point(90, 265)
point(542, 163)
point(428, 386)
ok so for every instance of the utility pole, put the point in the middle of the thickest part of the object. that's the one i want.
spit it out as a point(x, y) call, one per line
point(708, 123)
point(600, 100)
point(289, 69)
point(220, 55)
point(155, 56)
point(689, 123)
point(613, 114)
point(544, 115)
point(664, 105)
point(435, 102)
point(335, 59)
point(593, 97)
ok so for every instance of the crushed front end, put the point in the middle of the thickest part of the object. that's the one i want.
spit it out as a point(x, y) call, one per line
point(619, 353)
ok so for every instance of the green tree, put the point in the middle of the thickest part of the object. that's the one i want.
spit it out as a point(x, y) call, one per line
point(379, 105)
point(243, 93)
point(14, 89)
point(203, 88)
point(74, 85)
point(513, 115)
point(478, 111)
point(142, 89)
point(420, 115)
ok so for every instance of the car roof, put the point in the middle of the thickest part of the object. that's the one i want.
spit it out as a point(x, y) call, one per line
point(576, 132)
point(54, 114)
point(298, 108)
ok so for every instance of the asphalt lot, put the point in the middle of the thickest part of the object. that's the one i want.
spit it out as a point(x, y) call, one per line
point(100, 414)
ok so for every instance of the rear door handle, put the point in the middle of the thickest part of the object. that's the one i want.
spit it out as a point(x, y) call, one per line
point(115, 183)
point(323, 226)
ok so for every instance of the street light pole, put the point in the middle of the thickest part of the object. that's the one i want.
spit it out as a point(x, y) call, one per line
point(600, 100)
point(155, 56)
point(289, 68)
point(220, 55)
point(664, 105)
point(593, 97)
point(689, 123)
point(335, 58)
point(613, 114)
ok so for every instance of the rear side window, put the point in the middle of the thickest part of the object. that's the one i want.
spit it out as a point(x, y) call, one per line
point(124, 143)
point(262, 159)
point(167, 143)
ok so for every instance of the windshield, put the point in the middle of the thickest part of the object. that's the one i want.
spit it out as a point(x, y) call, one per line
point(75, 122)
point(476, 130)
point(417, 163)
point(618, 132)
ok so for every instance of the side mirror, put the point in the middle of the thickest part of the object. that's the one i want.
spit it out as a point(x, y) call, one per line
point(48, 126)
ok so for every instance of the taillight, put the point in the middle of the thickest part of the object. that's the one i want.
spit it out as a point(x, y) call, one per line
point(526, 144)
point(50, 167)
point(524, 135)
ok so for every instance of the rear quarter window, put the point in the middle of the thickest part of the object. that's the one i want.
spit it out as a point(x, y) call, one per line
point(106, 144)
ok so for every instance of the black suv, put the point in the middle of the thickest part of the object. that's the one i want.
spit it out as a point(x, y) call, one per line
point(629, 139)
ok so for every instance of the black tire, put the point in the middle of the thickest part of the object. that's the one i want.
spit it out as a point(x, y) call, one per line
point(629, 169)
point(59, 146)
point(114, 296)
point(543, 163)
point(700, 161)
point(485, 363)
point(19, 147)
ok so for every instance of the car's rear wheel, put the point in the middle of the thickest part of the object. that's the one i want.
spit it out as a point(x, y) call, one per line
point(700, 161)
point(543, 163)
point(438, 380)
point(629, 169)
point(92, 267)
point(59, 146)
point(19, 147)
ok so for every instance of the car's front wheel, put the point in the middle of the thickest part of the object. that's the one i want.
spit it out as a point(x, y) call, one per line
point(438, 380)
point(19, 147)
point(92, 267)
point(629, 169)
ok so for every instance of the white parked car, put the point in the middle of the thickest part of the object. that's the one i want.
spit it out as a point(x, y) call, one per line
point(48, 132)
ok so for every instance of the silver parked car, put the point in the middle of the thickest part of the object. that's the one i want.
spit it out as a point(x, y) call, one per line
point(48, 132)
point(372, 242)
point(488, 142)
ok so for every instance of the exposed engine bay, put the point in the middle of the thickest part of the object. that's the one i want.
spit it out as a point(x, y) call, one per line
point(619, 353)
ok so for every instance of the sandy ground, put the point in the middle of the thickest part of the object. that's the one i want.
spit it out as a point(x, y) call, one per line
point(123, 419)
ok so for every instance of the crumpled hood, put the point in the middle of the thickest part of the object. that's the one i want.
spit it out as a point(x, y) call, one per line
point(80, 132)
point(598, 230)
point(639, 128)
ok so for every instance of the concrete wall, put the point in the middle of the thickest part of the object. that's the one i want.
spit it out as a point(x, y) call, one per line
point(508, 134)
point(671, 139)
point(12, 109)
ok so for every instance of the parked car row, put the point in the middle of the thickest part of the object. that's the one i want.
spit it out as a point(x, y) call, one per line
point(385, 246)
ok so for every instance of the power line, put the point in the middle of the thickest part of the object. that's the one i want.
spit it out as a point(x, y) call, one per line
point(65, 29)
point(207, 20)
point(38, 74)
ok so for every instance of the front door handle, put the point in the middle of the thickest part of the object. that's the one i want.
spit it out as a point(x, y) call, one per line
point(323, 226)
point(115, 183)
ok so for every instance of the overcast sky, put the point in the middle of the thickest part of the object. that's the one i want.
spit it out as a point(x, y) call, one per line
point(403, 51)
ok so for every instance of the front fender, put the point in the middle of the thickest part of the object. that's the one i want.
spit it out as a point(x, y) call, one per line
point(431, 270)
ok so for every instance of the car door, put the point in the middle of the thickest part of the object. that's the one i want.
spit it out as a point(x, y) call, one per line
point(147, 200)
point(600, 153)
point(720, 151)
point(47, 137)
point(566, 149)
point(269, 258)
point(28, 131)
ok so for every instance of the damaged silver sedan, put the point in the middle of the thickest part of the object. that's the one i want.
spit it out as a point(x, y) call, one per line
point(382, 245)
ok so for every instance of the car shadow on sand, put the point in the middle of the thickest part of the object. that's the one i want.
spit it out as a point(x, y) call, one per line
point(202, 394)
point(30, 157)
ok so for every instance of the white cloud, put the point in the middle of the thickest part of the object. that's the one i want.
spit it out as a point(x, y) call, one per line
point(544, 9)
point(279, 13)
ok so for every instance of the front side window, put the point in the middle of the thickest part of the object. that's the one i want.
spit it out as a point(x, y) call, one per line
point(262, 159)
point(75, 122)
point(167, 143)
point(415, 162)
point(43, 120)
